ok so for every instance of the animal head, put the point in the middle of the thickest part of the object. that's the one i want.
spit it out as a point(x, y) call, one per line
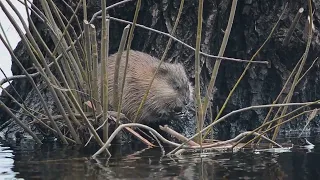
point(171, 91)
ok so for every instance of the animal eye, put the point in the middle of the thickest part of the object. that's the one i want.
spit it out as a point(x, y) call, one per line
point(176, 87)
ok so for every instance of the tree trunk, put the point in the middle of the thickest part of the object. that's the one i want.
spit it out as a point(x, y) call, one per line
point(252, 24)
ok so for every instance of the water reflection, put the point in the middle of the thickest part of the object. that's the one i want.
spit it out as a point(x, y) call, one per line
point(55, 162)
point(6, 163)
point(211, 166)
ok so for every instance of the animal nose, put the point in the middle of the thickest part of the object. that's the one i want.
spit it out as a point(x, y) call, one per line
point(186, 101)
point(177, 109)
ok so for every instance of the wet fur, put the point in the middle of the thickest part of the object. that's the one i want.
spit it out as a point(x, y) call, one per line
point(170, 88)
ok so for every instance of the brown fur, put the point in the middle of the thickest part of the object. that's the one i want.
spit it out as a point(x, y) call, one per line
point(170, 90)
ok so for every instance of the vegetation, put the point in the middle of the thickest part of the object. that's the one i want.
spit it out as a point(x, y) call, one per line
point(74, 83)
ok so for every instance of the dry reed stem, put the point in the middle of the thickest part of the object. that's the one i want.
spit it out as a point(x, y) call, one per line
point(45, 20)
point(135, 18)
point(60, 41)
point(59, 117)
point(35, 10)
point(292, 27)
point(94, 74)
point(53, 78)
point(305, 73)
point(34, 74)
point(142, 139)
point(241, 110)
point(280, 93)
point(62, 96)
point(269, 129)
point(88, 63)
point(32, 46)
point(284, 87)
point(6, 37)
point(197, 72)
point(21, 76)
point(117, 68)
point(13, 88)
point(89, 125)
point(70, 41)
point(120, 127)
point(155, 133)
point(220, 144)
point(85, 13)
point(61, 45)
point(274, 120)
point(185, 44)
point(23, 126)
point(223, 46)
point(177, 135)
point(103, 66)
point(313, 114)
point(117, 99)
point(74, 12)
point(247, 67)
point(104, 75)
point(110, 115)
point(296, 78)
point(26, 109)
point(163, 152)
point(73, 57)
point(161, 60)
point(95, 15)
point(138, 25)
point(308, 104)
point(26, 73)
point(175, 26)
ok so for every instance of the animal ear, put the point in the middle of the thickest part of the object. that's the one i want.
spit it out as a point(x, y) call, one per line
point(180, 65)
point(162, 70)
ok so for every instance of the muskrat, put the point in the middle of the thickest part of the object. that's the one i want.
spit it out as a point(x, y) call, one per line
point(169, 94)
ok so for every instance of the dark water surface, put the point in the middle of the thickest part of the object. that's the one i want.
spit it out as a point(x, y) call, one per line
point(72, 163)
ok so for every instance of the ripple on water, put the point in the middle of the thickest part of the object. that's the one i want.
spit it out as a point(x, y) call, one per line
point(6, 165)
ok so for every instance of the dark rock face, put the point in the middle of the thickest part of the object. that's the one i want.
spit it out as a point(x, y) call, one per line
point(252, 25)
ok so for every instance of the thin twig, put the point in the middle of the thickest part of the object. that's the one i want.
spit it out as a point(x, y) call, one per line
point(198, 104)
point(223, 46)
point(15, 59)
point(269, 128)
point(296, 77)
point(230, 141)
point(117, 68)
point(292, 27)
point(23, 126)
point(14, 89)
point(103, 74)
point(115, 132)
point(241, 110)
point(107, 8)
point(305, 73)
point(163, 152)
point(177, 135)
point(28, 113)
point(247, 66)
point(144, 98)
point(94, 75)
point(130, 38)
point(188, 46)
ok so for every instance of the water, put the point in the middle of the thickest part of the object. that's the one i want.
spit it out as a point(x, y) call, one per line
point(73, 163)
point(6, 163)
